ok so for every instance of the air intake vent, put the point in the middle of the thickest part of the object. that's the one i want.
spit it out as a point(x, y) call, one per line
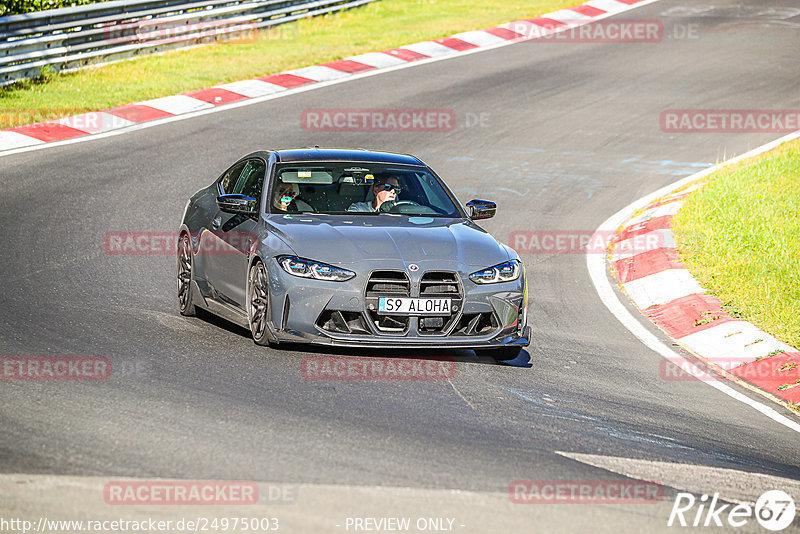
point(342, 322)
point(476, 324)
point(439, 284)
point(388, 283)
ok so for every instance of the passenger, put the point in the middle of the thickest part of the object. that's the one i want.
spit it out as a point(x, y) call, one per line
point(285, 197)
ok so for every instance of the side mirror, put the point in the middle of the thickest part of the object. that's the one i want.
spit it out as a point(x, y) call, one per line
point(481, 209)
point(237, 203)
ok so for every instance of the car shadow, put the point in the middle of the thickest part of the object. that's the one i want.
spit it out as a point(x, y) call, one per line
point(456, 355)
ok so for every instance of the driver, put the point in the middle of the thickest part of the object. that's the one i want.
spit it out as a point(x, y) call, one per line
point(386, 189)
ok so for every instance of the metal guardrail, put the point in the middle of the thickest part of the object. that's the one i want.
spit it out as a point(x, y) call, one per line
point(77, 37)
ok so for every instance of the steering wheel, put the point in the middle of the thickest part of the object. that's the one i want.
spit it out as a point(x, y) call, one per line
point(388, 207)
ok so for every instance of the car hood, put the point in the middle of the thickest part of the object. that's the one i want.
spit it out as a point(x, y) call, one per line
point(341, 239)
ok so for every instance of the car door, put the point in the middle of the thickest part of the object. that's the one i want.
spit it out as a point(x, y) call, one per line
point(227, 243)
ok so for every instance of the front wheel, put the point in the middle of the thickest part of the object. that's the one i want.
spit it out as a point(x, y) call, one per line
point(258, 303)
point(185, 258)
point(501, 354)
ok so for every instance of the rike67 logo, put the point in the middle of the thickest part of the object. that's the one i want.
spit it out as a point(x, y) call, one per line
point(774, 510)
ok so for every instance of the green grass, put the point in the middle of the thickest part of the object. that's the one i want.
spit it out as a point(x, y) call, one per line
point(740, 237)
point(376, 26)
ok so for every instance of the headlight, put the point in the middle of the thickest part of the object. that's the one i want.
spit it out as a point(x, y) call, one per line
point(505, 272)
point(313, 269)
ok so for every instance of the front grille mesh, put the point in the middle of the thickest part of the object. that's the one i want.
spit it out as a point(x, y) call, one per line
point(441, 284)
point(432, 284)
point(382, 283)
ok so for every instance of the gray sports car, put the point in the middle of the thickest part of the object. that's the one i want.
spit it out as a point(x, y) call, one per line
point(351, 248)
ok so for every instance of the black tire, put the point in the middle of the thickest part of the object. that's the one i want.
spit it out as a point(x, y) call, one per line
point(258, 303)
point(185, 276)
point(501, 354)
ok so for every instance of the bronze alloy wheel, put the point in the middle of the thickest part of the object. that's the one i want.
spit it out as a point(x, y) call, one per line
point(185, 304)
point(258, 303)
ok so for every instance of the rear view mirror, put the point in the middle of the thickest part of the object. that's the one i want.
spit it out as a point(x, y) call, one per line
point(481, 209)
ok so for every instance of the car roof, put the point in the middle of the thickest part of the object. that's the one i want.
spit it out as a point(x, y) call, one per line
point(344, 154)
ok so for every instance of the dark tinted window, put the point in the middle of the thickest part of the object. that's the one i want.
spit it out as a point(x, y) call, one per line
point(336, 187)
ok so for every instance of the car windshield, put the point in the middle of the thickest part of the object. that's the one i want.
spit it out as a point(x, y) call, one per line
point(359, 187)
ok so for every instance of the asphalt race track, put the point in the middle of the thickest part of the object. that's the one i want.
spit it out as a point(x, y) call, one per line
point(561, 135)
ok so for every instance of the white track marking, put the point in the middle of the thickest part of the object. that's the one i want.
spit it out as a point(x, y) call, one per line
point(252, 88)
point(430, 49)
point(569, 16)
point(660, 288)
point(318, 73)
point(16, 140)
point(596, 263)
point(480, 38)
point(735, 340)
point(177, 104)
point(378, 60)
point(606, 5)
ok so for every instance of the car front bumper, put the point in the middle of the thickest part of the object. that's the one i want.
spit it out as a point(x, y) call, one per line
point(339, 313)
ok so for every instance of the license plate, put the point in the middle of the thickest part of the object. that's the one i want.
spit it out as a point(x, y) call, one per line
point(414, 306)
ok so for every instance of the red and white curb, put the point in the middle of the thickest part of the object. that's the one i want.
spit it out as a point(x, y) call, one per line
point(120, 118)
point(645, 262)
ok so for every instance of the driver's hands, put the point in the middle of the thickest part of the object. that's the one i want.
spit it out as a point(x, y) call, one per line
point(385, 207)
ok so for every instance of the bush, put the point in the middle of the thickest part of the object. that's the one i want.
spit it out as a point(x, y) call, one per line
point(16, 7)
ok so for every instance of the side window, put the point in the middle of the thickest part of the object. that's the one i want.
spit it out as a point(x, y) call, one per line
point(229, 179)
point(252, 179)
